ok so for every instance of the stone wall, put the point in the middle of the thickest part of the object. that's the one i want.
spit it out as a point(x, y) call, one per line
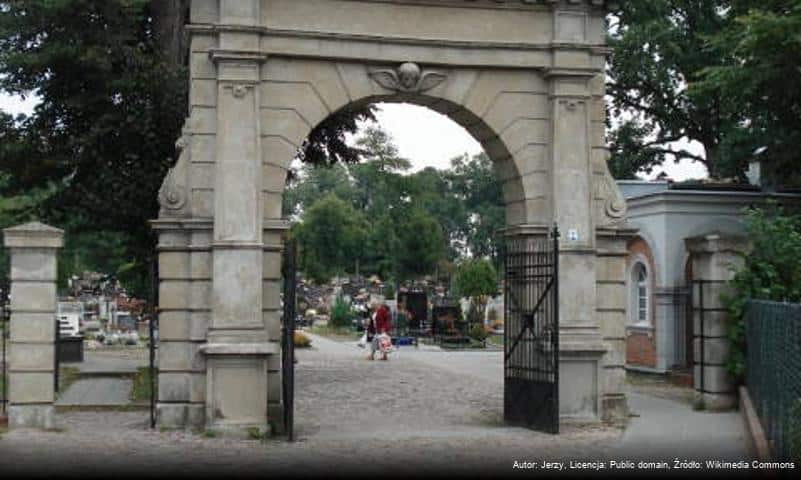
point(524, 78)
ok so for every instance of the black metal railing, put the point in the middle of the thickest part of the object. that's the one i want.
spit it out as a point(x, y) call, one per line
point(289, 271)
point(773, 373)
point(5, 331)
point(152, 343)
point(703, 301)
point(531, 332)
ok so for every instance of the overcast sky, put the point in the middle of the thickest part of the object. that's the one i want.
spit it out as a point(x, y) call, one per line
point(425, 137)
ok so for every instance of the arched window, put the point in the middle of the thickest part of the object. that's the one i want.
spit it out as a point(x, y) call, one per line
point(640, 295)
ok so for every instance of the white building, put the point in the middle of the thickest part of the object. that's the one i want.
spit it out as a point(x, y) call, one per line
point(659, 273)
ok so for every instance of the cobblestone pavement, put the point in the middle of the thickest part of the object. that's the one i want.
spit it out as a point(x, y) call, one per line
point(352, 415)
point(408, 416)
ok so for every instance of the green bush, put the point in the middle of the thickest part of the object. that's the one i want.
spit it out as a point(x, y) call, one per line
point(771, 271)
point(341, 313)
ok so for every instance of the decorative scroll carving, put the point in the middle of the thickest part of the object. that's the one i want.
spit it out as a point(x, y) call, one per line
point(174, 191)
point(614, 205)
point(407, 78)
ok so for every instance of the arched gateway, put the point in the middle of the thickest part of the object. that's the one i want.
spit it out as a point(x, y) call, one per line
point(524, 77)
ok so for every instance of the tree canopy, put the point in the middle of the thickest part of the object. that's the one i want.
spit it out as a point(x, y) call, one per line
point(111, 78)
point(719, 72)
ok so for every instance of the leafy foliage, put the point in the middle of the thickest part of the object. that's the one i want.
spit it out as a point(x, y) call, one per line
point(720, 72)
point(341, 313)
point(659, 48)
point(330, 237)
point(416, 224)
point(110, 110)
point(771, 271)
point(763, 46)
point(476, 279)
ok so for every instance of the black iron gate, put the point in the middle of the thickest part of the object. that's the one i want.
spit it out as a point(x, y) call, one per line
point(288, 270)
point(531, 333)
point(5, 329)
point(153, 326)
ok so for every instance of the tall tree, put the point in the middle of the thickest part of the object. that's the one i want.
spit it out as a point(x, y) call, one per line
point(763, 43)
point(112, 78)
point(659, 48)
point(330, 237)
point(111, 107)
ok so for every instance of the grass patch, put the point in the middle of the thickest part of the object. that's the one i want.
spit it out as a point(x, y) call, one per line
point(495, 340)
point(66, 377)
point(141, 390)
point(256, 433)
point(209, 433)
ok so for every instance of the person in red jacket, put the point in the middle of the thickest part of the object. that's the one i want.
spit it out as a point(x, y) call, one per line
point(383, 325)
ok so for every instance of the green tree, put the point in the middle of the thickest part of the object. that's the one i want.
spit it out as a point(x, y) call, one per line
point(761, 79)
point(659, 49)
point(112, 78)
point(111, 108)
point(476, 279)
point(421, 244)
point(474, 184)
point(771, 271)
point(330, 238)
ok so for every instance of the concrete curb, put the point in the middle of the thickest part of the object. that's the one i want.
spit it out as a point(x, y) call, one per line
point(757, 442)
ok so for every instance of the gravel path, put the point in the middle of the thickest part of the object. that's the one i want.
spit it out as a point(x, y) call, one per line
point(422, 412)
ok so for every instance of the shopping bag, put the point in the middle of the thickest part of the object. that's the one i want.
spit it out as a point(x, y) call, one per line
point(363, 341)
point(384, 343)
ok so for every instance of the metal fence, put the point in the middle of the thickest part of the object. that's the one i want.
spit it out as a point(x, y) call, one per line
point(773, 373)
point(4, 336)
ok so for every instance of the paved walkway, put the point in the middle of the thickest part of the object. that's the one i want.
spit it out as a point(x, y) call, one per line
point(104, 378)
point(101, 391)
point(668, 429)
point(112, 362)
point(421, 412)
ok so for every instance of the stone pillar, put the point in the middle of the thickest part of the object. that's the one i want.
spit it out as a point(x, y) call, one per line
point(33, 248)
point(237, 342)
point(714, 258)
point(610, 311)
point(581, 345)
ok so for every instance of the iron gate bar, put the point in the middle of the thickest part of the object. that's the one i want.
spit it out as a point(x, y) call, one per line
point(4, 320)
point(152, 322)
point(531, 334)
point(528, 327)
point(55, 356)
point(289, 267)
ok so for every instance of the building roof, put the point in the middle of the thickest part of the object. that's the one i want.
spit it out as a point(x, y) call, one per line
point(632, 189)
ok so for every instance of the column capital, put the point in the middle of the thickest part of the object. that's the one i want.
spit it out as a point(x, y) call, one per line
point(33, 235)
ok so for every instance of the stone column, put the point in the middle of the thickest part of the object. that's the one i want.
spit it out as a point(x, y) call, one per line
point(238, 342)
point(33, 248)
point(581, 344)
point(714, 258)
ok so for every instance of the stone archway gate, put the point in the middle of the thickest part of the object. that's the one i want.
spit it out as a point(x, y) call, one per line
point(524, 77)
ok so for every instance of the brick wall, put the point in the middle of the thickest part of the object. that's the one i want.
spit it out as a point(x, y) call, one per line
point(640, 349)
point(641, 344)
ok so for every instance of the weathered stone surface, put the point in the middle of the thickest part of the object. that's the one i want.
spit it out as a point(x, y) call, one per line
point(31, 357)
point(31, 416)
point(524, 78)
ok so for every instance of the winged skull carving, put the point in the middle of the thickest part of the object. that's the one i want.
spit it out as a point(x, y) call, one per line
point(407, 78)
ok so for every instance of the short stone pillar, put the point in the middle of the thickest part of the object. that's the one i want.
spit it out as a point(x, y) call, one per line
point(715, 258)
point(33, 248)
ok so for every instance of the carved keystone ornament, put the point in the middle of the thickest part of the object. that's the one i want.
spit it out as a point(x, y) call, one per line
point(407, 78)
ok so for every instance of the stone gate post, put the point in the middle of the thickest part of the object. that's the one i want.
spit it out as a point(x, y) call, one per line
point(33, 248)
point(714, 260)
